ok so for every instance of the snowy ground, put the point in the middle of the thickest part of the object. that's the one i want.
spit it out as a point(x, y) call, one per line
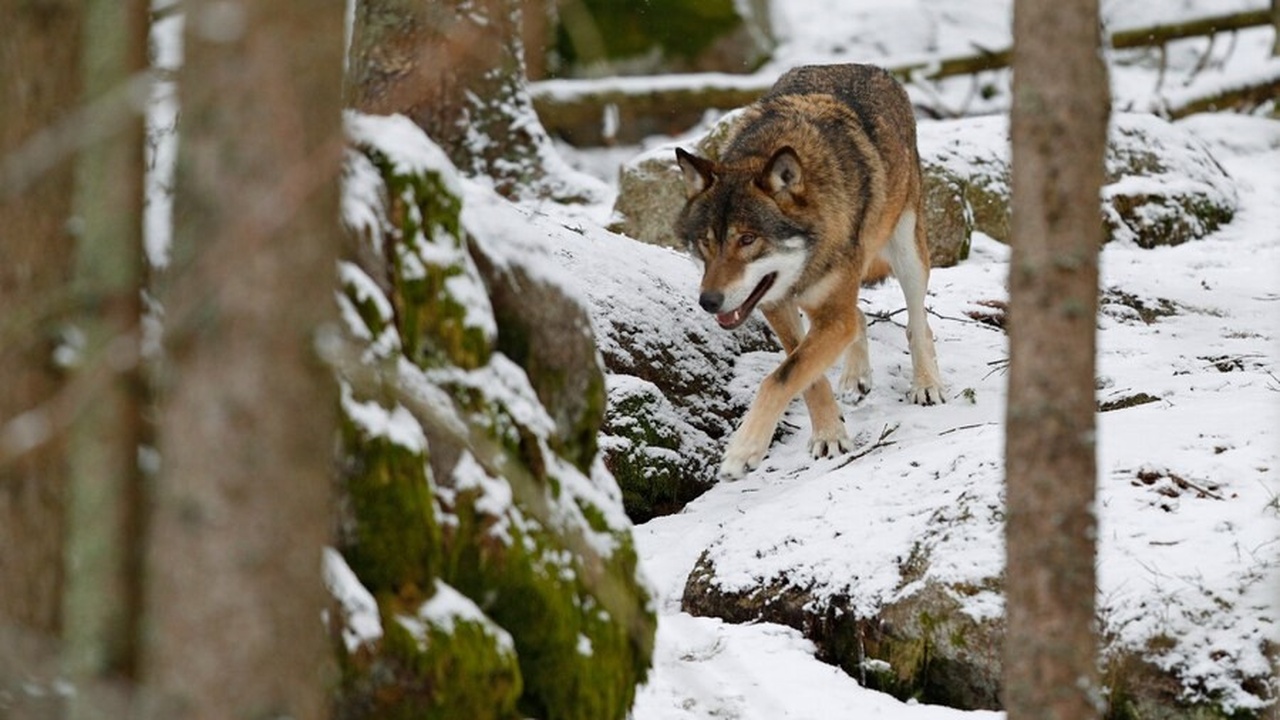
point(1199, 555)
point(1187, 487)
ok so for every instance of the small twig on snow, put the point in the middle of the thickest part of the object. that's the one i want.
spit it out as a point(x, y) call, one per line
point(881, 442)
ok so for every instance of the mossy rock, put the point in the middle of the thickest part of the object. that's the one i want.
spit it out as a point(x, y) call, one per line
point(512, 506)
point(390, 534)
point(548, 334)
point(948, 218)
point(582, 627)
point(932, 650)
point(1163, 186)
point(970, 157)
point(1137, 689)
point(436, 659)
point(660, 461)
point(441, 308)
point(662, 36)
point(650, 195)
point(922, 644)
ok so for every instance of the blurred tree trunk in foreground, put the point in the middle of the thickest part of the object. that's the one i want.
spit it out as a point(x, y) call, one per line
point(39, 85)
point(246, 426)
point(456, 68)
point(1059, 122)
point(102, 601)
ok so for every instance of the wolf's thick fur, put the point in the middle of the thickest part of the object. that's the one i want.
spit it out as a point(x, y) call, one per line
point(817, 188)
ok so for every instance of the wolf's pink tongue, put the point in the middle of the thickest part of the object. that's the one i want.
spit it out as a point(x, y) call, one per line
point(729, 319)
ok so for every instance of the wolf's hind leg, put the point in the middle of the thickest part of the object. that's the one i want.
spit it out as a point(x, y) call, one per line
point(855, 379)
point(907, 254)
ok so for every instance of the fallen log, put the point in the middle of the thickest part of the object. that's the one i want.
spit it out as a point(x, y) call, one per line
point(598, 111)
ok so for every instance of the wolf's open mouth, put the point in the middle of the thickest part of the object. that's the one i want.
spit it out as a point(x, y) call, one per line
point(734, 318)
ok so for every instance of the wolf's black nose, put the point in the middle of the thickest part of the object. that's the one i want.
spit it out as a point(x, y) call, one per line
point(711, 301)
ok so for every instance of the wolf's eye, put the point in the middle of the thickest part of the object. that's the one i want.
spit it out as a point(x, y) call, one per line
point(746, 239)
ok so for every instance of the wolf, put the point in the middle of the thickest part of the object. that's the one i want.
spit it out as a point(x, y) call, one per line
point(817, 189)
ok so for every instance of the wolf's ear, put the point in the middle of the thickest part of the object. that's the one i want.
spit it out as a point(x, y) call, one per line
point(783, 173)
point(698, 172)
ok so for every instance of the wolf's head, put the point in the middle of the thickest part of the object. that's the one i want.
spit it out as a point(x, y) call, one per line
point(742, 222)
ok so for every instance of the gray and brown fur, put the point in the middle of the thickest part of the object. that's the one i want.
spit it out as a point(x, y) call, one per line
point(817, 190)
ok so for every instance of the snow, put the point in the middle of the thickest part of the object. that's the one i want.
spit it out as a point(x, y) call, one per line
point(1188, 484)
point(448, 606)
point(1194, 570)
point(1199, 569)
point(404, 145)
point(363, 625)
point(397, 425)
point(706, 668)
point(444, 610)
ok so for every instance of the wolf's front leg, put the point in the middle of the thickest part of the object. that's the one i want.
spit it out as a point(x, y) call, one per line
point(800, 372)
point(744, 452)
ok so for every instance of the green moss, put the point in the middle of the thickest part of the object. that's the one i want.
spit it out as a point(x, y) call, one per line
point(368, 310)
point(578, 439)
point(435, 325)
point(395, 543)
point(632, 28)
point(466, 667)
point(657, 468)
point(462, 668)
point(555, 607)
point(907, 659)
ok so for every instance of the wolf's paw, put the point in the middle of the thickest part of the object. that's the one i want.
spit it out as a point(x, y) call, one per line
point(930, 394)
point(741, 457)
point(855, 385)
point(855, 379)
point(830, 444)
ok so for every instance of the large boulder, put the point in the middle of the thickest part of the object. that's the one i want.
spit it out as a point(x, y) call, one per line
point(921, 645)
point(485, 567)
point(668, 365)
point(1163, 187)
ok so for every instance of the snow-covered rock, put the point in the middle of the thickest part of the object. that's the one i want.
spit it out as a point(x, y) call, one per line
point(477, 515)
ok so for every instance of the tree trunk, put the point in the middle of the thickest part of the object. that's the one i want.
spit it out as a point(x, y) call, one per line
point(39, 85)
point(103, 592)
point(246, 428)
point(1275, 23)
point(456, 68)
point(1059, 120)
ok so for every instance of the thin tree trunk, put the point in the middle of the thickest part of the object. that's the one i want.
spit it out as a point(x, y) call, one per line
point(103, 594)
point(1275, 23)
point(39, 84)
point(1059, 120)
point(246, 425)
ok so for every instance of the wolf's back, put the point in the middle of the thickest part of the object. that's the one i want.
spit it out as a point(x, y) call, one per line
point(878, 99)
